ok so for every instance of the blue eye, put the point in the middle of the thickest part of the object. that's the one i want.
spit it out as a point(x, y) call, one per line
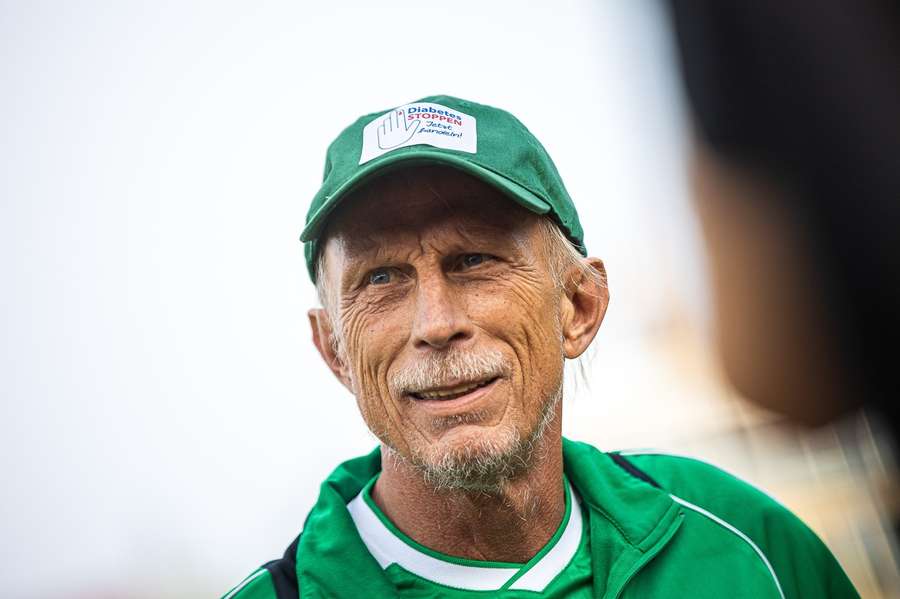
point(380, 276)
point(470, 260)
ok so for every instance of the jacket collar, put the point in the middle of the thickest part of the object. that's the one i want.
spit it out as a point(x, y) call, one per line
point(630, 522)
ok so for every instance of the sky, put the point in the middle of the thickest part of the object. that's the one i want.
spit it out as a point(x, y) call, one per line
point(166, 420)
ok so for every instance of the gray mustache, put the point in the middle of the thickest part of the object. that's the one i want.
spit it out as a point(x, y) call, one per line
point(443, 369)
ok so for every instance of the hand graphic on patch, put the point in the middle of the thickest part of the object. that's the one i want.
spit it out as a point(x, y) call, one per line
point(396, 130)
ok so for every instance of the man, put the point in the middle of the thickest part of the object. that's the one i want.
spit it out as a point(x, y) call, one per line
point(451, 268)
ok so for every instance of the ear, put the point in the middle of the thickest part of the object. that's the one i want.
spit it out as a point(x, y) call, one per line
point(584, 306)
point(324, 340)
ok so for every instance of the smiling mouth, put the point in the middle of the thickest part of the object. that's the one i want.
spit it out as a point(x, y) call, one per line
point(448, 393)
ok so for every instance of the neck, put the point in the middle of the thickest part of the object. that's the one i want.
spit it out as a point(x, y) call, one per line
point(509, 524)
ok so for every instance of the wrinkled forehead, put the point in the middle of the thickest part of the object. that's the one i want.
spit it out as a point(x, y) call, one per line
point(414, 201)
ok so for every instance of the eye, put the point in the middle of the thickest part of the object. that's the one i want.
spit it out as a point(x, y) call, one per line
point(472, 260)
point(380, 276)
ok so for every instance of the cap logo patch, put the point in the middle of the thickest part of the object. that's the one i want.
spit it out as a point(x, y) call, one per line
point(415, 124)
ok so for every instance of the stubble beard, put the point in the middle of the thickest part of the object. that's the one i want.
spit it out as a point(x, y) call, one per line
point(484, 464)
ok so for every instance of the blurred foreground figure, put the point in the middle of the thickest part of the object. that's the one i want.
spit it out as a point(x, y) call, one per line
point(797, 177)
point(454, 282)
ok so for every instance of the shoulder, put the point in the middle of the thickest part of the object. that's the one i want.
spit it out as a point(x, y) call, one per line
point(276, 579)
point(701, 487)
point(691, 478)
point(783, 541)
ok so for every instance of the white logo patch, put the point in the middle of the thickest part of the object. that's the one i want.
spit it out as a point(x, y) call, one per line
point(419, 123)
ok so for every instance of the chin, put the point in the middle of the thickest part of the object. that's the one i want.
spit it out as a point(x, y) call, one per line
point(470, 442)
point(469, 456)
point(474, 458)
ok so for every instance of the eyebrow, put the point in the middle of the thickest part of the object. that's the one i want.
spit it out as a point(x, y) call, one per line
point(375, 244)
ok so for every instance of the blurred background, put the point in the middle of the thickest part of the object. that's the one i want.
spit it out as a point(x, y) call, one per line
point(166, 421)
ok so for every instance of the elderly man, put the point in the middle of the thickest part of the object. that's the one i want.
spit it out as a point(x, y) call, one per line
point(451, 268)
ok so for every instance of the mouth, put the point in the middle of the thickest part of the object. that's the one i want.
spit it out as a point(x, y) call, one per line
point(469, 388)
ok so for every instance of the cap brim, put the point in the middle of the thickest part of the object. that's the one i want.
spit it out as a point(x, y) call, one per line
point(419, 155)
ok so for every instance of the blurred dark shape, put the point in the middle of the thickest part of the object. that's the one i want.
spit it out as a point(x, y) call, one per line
point(797, 110)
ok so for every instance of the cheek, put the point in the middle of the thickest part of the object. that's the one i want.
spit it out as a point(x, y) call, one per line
point(371, 337)
point(527, 308)
point(371, 344)
point(525, 314)
point(542, 351)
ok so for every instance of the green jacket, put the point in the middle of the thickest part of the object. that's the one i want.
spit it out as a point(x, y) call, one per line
point(660, 526)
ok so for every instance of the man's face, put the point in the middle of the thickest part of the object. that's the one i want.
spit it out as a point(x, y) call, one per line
point(448, 316)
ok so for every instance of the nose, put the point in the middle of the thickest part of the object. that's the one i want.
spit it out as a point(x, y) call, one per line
point(440, 318)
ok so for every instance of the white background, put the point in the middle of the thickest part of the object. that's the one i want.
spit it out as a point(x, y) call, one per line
point(166, 421)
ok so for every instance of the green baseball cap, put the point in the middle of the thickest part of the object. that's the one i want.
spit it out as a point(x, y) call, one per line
point(485, 142)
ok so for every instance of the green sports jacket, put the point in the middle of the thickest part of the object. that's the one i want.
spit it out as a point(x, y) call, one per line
point(660, 526)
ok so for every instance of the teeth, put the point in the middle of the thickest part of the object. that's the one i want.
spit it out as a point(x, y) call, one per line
point(449, 392)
